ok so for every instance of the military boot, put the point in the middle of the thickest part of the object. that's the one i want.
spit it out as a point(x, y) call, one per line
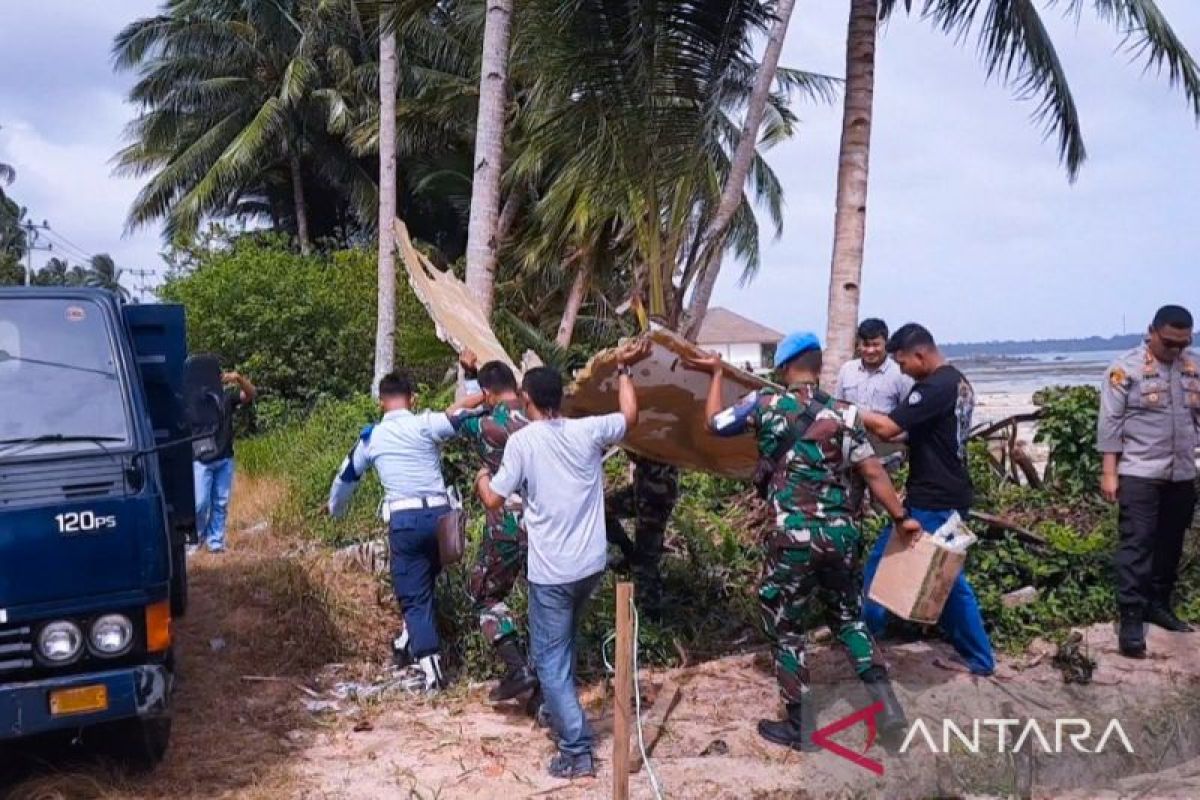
point(519, 679)
point(1160, 614)
point(796, 731)
point(891, 721)
point(1131, 637)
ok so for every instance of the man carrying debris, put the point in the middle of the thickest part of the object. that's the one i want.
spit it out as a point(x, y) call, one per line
point(557, 466)
point(649, 500)
point(936, 417)
point(489, 418)
point(814, 448)
point(404, 449)
point(1148, 432)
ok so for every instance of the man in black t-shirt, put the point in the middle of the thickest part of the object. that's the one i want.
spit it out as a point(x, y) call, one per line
point(212, 467)
point(936, 419)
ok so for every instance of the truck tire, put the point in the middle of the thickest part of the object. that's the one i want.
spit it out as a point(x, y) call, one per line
point(179, 578)
point(138, 744)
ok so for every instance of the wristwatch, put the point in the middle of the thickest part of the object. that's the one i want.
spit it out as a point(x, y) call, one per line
point(623, 369)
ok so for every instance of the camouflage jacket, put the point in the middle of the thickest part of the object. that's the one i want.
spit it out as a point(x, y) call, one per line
point(488, 430)
point(816, 482)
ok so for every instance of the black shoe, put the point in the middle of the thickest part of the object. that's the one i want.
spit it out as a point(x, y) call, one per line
point(519, 678)
point(1131, 635)
point(795, 731)
point(1164, 617)
point(892, 722)
point(571, 767)
point(516, 683)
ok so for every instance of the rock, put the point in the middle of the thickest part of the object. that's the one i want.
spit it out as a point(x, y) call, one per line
point(1021, 597)
point(370, 556)
point(717, 747)
point(821, 634)
point(217, 644)
point(321, 706)
point(295, 736)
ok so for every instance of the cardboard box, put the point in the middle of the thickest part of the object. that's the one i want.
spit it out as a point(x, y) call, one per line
point(914, 582)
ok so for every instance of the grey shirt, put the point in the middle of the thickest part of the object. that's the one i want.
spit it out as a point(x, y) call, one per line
point(405, 450)
point(1150, 414)
point(878, 390)
point(557, 466)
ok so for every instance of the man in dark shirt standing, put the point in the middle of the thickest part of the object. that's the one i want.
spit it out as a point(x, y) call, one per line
point(936, 417)
point(212, 467)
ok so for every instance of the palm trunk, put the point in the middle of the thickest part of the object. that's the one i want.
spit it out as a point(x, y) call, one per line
point(301, 204)
point(583, 276)
point(385, 323)
point(850, 220)
point(508, 215)
point(482, 241)
point(732, 193)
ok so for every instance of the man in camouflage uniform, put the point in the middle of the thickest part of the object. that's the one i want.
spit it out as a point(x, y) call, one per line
point(1148, 431)
point(815, 448)
point(494, 411)
point(649, 500)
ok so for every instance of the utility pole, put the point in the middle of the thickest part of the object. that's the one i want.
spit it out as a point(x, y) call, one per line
point(142, 286)
point(32, 234)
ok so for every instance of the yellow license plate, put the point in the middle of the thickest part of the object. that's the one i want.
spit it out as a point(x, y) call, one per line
point(80, 700)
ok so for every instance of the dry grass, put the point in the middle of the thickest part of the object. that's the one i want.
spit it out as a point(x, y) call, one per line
point(270, 607)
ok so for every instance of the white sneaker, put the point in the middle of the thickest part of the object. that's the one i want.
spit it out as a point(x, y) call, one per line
point(431, 667)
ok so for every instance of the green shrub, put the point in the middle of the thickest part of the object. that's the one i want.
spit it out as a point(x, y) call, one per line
point(302, 328)
point(1068, 426)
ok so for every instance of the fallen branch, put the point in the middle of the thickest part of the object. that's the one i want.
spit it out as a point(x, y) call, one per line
point(653, 723)
point(1000, 523)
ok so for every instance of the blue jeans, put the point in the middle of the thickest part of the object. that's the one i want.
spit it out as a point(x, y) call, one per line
point(415, 567)
point(554, 613)
point(214, 485)
point(961, 622)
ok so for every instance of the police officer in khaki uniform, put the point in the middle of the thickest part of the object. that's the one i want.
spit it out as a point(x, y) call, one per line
point(1148, 431)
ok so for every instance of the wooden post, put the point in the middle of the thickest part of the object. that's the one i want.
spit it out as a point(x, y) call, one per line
point(623, 690)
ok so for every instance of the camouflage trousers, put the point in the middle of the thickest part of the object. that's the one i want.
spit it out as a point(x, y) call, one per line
point(802, 563)
point(644, 552)
point(501, 560)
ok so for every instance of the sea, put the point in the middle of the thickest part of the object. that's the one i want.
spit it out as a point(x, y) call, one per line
point(1025, 374)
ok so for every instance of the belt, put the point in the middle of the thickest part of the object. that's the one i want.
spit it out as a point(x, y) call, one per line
point(416, 503)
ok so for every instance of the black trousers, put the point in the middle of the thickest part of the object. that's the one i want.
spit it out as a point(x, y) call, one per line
point(1154, 516)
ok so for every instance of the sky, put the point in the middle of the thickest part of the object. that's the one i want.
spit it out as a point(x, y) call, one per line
point(972, 226)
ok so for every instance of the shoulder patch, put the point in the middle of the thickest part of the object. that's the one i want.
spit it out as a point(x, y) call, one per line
point(365, 433)
point(1118, 377)
point(914, 397)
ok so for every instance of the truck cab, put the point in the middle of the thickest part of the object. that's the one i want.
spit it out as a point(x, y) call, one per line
point(96, 508)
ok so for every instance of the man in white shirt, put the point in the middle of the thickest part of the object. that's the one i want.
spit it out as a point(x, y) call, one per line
point(556, 465)
point(873, 381)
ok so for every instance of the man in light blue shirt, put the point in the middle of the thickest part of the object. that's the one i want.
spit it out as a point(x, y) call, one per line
point(873, 381)
point(405, 450)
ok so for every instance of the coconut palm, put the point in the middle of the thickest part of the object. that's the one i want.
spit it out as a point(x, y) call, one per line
point(1015, 46)
point(242, 105)
point(102, 273)
point(482, 243)
point(631, 129)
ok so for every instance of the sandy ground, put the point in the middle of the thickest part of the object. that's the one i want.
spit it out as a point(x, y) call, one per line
point(265, 624)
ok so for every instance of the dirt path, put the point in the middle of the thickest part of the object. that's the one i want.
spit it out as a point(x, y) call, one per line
point(270, 616)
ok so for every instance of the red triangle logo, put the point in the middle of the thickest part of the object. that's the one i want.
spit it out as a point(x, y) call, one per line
point(867, 715)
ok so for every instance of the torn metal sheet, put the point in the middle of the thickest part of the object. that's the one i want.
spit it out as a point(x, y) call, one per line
point(672, 427)
point(456, 316)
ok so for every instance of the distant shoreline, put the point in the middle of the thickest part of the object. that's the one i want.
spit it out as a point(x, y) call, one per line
point(1012, 347)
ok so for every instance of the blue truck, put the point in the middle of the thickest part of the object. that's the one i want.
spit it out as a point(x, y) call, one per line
point(96, 510)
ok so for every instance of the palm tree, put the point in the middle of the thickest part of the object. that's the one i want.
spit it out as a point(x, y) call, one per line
point(629, 110)
point(482, 243)
point(713, 240)
point(1015, 46)
point(241, 105)
point(385, 330)
point(102, 273)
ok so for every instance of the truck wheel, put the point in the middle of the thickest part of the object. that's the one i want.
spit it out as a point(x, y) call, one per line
point(179, 578)
point(138, 744)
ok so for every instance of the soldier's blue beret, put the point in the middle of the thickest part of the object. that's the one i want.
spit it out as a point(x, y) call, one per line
point(795, 344)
